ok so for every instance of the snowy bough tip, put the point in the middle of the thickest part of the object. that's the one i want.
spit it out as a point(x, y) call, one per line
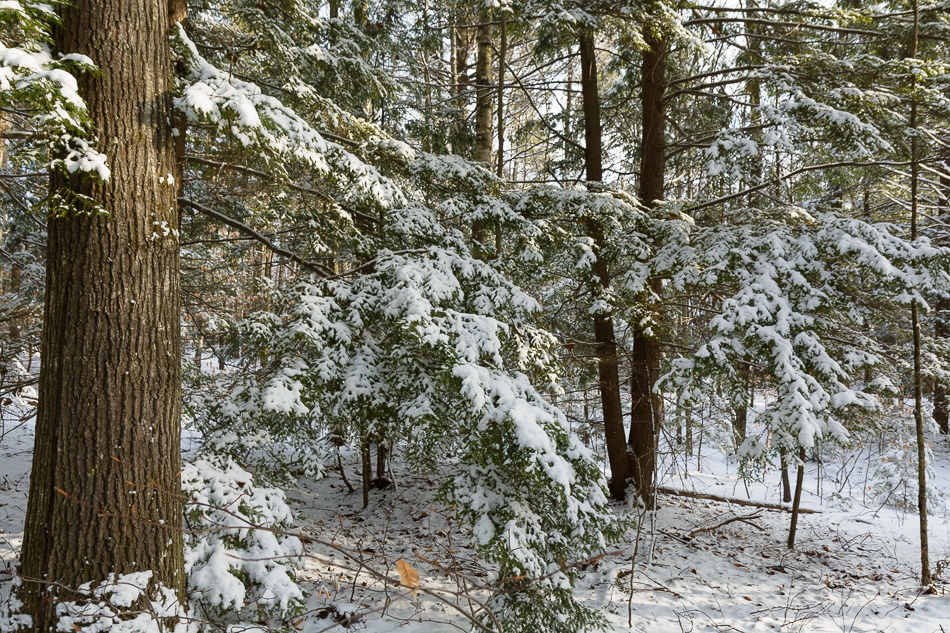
point(239, 560)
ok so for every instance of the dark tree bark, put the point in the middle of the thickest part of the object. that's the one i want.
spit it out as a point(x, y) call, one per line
point(366, 465)
point(786, 484)
point(797, 502)
point(178, 13)
point(502, 60)
point(646, 411)
point(104, 490)
point(462, 44)
point(604, 336)
point(925, 577)
point(942, 302)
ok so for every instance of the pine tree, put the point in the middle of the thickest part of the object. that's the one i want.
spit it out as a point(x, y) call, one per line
point(104, 492)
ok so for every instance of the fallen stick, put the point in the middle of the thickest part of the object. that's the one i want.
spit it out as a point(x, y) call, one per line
point(746, 518)
point(738, 502)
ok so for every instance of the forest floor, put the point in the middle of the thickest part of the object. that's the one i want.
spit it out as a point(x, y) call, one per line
point(690, 565)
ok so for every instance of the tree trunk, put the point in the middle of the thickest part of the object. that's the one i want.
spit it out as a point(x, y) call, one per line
point(178, 12)
point(463, 41)
point(942, 302)
point(104, 490)
point(484, 96)
point(925, 577)
point(607, 360)
point(502, 60)
point(484, 108)
point(786, 484)
point(646, 411)
point(644, 418)
point(741, 413)
point(366, 466)
point(797, 502)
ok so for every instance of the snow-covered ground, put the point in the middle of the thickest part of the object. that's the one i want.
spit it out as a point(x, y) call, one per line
point(691, 565)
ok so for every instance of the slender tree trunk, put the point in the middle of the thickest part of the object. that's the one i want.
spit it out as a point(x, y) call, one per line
point(607, 359)
point(366, 465)
point(741, 414)
point(178, 13)
point(942, 302)
point(646, 411)
point(797, 502)
point(484, 108)
point(463, 41)
point(502, 60)
point(786, 484)
point(925, 577)
point(381, 455)
point(484, 99)
point(14, 286)
point(104, 490)
point(754, 86)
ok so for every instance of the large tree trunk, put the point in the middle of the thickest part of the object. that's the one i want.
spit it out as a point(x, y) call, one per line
point(607, 360)
point(104, 491)
point(646, 411)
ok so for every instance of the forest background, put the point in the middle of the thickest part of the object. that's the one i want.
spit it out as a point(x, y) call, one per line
point(532, 238)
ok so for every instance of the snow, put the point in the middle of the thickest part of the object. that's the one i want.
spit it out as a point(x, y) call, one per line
point(258, 120)
point(104, 608)
point(854, 566)
point(31, 70)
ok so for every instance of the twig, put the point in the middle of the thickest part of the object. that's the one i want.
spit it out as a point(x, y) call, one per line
point(745, 518)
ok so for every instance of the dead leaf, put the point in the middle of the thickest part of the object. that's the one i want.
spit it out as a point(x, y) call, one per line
point(408, 577)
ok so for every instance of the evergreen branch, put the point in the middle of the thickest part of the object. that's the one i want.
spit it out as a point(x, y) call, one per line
point(780, 179)
point(191, 158)
point(313, 267)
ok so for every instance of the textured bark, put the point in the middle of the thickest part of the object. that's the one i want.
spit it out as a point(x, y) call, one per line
point(653, 160)
point(797, 501)
point(644, 416)
point(590, 95)
point(942, 302)
point(604, 336)
point(646, 410)
point(483, 90)
point(462, 42)
point(484, 108)
point(786, 484)
point(104, 490)
point(178, 12)
point(925, 577)
point(366, 465)
point(502, 60)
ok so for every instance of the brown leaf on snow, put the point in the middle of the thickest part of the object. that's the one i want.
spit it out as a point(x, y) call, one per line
point(408, 577)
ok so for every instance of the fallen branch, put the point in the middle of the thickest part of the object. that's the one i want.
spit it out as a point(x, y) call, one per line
point(746, 518)
point(738, 502)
